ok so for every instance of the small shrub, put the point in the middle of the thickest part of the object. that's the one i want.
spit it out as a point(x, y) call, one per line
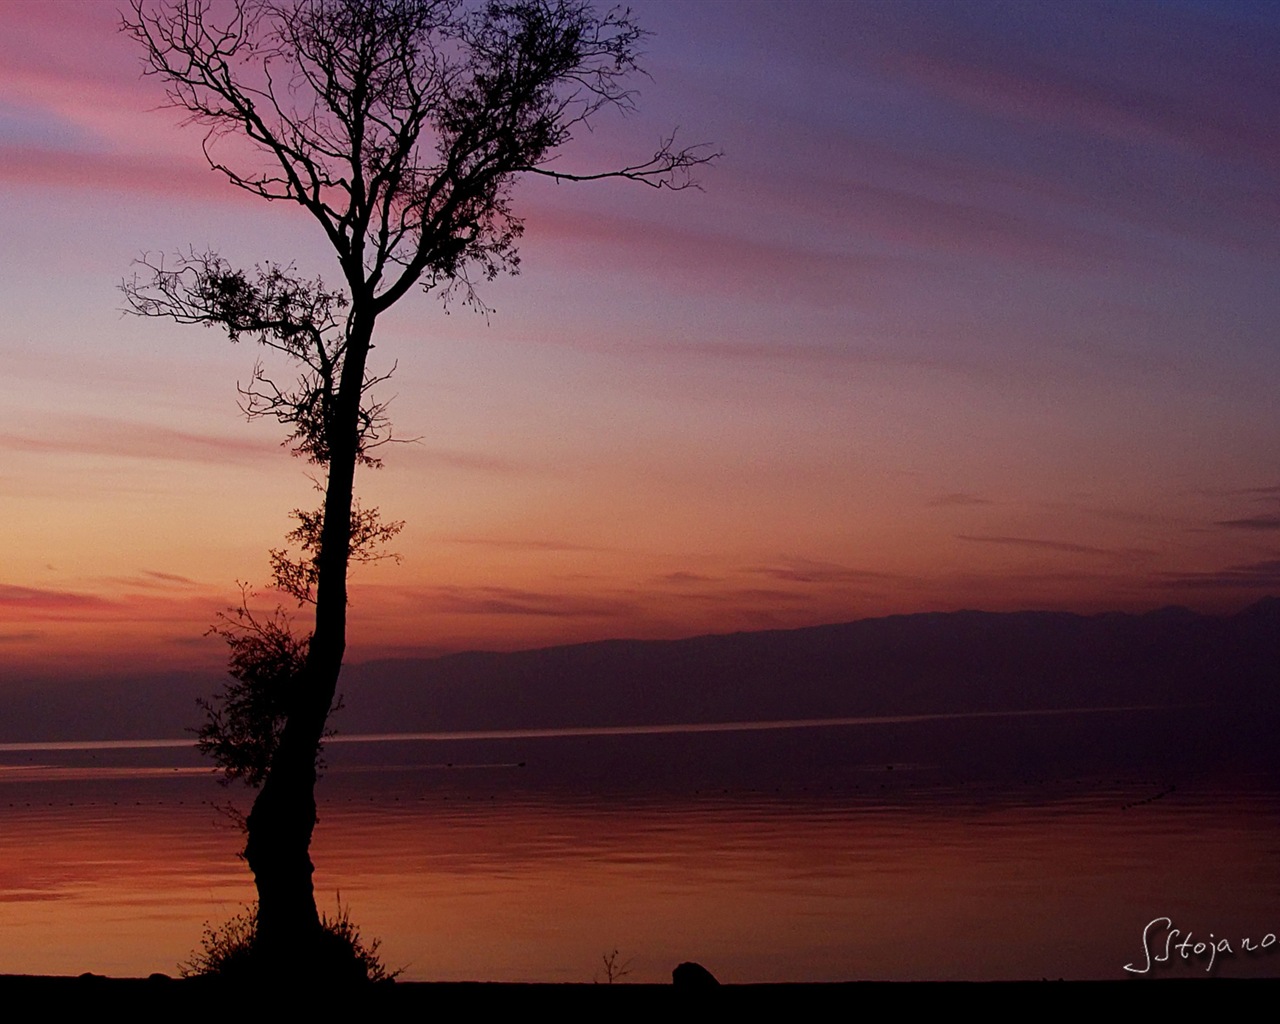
point(225, 951)
point(228, 951)
point(615, 969)
point(344, 937)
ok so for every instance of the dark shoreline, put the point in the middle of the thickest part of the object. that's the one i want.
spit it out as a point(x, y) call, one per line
point(202, 994)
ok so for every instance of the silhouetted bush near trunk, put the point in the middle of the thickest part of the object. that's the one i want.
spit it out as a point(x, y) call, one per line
point(229, 952)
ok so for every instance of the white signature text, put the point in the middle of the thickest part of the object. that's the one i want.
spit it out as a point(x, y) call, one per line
point(1159, 946)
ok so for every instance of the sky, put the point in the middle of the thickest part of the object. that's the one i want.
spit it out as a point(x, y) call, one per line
point(977, 309)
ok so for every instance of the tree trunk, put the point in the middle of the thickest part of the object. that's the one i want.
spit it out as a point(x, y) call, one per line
point(289, 938)
point(280, 827)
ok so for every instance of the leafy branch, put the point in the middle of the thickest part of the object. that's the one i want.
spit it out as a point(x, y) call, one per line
point(244, 720)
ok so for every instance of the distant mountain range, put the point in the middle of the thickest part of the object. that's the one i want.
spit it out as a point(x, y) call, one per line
point(901, 665)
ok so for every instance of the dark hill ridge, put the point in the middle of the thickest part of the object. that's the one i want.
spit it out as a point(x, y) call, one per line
point(904, 664)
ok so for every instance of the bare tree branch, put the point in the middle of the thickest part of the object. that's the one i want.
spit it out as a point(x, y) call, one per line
point(668, 167)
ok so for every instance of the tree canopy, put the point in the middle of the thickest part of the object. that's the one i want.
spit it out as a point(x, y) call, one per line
point(400, 125)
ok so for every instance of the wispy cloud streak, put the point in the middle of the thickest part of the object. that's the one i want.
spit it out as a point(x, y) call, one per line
point(1065, 547)
point(1262, 523)
point(134, 440)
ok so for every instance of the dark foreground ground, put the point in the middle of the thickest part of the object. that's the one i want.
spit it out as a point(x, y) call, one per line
point(1178, 995)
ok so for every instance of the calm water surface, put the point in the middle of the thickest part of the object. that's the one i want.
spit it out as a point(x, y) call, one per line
point(527, 858)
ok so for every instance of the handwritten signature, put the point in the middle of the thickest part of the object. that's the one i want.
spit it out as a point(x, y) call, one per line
point(1190, 946)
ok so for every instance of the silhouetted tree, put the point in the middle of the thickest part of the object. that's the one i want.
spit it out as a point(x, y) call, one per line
point(400, 126)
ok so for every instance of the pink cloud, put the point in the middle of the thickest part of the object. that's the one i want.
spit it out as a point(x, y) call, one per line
point(1063, 547)
point(1251, 523)
point(101, 436)
point(140, 173)
point(150, 580)
point(65, 53)
point(695, 260)
point(1211, 110)
point(803, 570)
point(485, 600)
point(683, 578)
point(852, 241)
point(38, 602)
point(1264, 575)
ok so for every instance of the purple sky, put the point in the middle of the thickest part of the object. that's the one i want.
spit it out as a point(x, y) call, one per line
point(978, 309)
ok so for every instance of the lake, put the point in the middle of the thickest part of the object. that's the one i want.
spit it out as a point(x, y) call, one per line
point(939, 847)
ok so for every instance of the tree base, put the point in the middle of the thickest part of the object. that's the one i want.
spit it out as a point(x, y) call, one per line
point(336, 956)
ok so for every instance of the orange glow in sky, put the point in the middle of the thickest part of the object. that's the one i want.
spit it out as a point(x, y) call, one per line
point(964, 317)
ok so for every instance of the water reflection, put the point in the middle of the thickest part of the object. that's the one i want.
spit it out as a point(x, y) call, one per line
point(834, 857)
